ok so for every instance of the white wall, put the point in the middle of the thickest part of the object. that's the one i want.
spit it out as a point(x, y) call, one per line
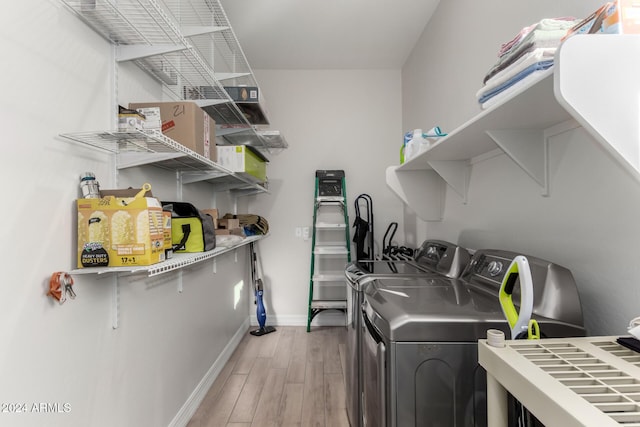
point(57, 78)
point(332, 119)
point(589, 221)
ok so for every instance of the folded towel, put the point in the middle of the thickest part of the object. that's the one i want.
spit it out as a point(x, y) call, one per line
point(547, 24)
point(542, 65)
point(528, 80)
point(526, 60)
point(533, 41)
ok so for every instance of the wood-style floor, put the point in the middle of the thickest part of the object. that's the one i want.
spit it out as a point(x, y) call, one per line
point(286, 378)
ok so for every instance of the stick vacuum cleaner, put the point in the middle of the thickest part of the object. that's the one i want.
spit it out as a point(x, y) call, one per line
point(259, 293)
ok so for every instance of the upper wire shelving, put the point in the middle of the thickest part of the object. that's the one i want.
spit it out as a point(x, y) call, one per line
point(150, 147)
point(180, 44)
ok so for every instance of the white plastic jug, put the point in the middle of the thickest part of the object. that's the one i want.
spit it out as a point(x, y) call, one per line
point(416, 145)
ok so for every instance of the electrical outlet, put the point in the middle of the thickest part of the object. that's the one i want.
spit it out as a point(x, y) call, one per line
point(305, 233)
point(298, 231)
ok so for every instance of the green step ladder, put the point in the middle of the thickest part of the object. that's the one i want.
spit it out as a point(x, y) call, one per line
point(330, 245)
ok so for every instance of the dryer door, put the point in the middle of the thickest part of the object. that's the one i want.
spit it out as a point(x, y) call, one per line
point(439, 384)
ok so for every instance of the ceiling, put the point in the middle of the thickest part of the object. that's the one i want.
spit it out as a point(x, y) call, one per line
point(328, 34)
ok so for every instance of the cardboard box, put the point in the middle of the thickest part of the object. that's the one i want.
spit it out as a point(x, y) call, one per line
point(616, 17)
point(152, 118)
point(214, 214)
point(130, 120)
point(229, 223)
point(120, 231)
point(243, 93)
point(243, 159)
point(230, 231)
point(186, 123)
point(125, 193)
point(623, 17)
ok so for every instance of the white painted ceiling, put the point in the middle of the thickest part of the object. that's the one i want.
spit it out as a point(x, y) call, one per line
point(328, 34)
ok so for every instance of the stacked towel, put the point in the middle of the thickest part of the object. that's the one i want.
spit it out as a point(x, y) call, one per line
point(544, 25)
point(527, 55)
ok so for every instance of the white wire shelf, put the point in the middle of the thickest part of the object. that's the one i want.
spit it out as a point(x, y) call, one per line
point(150, 147)
point(178, 42)
point(179, 260)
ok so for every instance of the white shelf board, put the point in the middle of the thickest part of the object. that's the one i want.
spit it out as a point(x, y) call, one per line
point(603, 95)
point(532, 107)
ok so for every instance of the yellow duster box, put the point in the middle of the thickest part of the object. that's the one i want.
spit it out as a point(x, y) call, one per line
point(120, 231)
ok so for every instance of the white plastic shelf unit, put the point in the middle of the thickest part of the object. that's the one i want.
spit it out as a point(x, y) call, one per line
point(593, 84)
point(150, 147)
point(592, 381)
point(179, 43)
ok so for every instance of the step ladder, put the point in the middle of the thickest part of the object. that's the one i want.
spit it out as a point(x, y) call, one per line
point(330, 245)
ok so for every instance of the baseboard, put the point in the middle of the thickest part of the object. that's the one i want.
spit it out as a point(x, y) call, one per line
point(189, 408)
point(331, 318)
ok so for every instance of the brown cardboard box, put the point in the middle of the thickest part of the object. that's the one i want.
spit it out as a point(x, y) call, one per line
point(229, 223)
point(124, 192)
point(214, 214)
point(232, 231)
point(186, 123)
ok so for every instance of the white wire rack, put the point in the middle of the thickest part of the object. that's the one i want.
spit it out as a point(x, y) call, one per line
point(179, 260)
point(194, 17)
point(150, 147)
point(181, 43)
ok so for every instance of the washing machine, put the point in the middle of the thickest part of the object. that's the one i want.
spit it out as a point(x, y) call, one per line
point(419, 352)
point(434, 258)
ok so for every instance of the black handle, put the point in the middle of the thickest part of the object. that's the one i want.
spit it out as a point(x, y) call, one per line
point(186, 231)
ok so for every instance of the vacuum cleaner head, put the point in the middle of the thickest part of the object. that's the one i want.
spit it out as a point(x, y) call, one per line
point(263, 331)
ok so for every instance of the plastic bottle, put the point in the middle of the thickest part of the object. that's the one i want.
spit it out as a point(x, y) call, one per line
point(421, 142)
point(407, 138)
point(89, 186)
point(413, 146)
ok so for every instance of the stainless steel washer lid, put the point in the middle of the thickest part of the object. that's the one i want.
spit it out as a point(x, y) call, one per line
point(435, 309)
point(440, 309)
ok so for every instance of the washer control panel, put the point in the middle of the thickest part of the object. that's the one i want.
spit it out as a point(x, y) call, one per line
point(489, 267)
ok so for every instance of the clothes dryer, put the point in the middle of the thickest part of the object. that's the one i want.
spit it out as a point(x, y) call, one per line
point(434, 258)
